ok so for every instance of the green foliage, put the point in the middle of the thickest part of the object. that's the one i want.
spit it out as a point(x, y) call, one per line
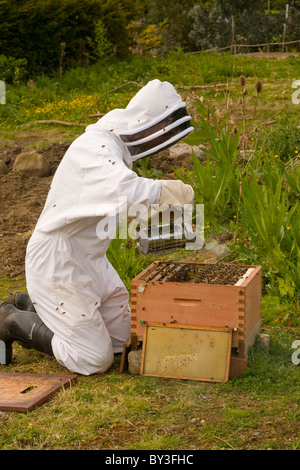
point(208, 29)
point(149, 38)
point(126, 260)
point(281, 139)
point(216, 182)
point(101, 46)
point(273, 366)
point(269, 228)
point(200, 24)
point(38, 31)
point(12, 70)
point(55, 34)
point(142, 168)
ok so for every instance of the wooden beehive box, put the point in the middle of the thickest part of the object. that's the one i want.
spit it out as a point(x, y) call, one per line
point(229, 296)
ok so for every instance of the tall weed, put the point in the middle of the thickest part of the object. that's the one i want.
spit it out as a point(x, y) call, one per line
point(269, 230)
point(216, 182)
point(126, 260)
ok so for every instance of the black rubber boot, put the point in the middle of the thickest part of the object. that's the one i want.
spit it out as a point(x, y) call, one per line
point(24, 327)
point(21, 300)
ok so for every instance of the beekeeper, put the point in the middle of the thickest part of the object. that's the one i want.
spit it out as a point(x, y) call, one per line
point(77, 309)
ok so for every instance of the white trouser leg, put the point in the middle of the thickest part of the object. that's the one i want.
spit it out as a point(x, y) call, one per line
point(87, 331)
point(81, 341)
point(88, 351)
point(115, 310)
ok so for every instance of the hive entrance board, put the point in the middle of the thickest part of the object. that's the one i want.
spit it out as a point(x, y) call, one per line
point(24, 392)
point(186, 352)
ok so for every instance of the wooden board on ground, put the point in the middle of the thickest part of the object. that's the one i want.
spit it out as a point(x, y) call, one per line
point(124, 358)
point(186, 352)
point(24, 392)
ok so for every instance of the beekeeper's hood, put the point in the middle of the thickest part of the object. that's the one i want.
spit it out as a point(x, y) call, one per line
point(154, 119)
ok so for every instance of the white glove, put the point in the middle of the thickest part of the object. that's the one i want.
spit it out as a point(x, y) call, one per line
point(175, 192)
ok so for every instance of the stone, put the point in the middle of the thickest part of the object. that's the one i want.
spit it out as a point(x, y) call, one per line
point(3, 168)
point(31, 163)
point(183, 149)
point(200, 154)
point(263, 342)
point(134, 362)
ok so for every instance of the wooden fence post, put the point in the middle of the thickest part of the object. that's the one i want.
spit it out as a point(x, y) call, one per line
point(285, 26)
point(232, 35)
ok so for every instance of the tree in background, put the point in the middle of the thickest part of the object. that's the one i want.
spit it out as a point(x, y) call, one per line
point(52, 35)
point(194, 25)
point(172, 16)
point(223, 23)
point(100, 45)
point(208, 28)
point(35, 30)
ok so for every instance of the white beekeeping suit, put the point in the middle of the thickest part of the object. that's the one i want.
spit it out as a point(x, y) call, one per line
point(76, 292)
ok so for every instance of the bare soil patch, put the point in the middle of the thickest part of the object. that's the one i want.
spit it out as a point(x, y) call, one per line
point(166, 163)
point(21, 202)
point(272, 55)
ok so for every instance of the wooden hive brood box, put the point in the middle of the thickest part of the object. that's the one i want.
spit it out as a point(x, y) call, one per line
point(221, 295)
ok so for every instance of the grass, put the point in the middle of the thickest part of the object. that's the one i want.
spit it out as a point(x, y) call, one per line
point(258, 410)
point(67, 99)
point(11, 285)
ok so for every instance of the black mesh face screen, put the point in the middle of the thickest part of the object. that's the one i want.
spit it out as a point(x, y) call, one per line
point(158, 141)
point(175, 116)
